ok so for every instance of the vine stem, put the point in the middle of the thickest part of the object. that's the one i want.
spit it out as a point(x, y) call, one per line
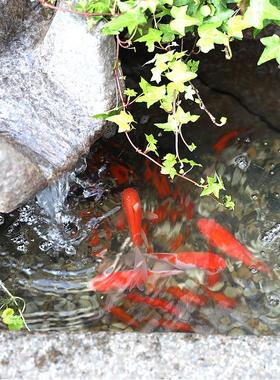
point(47, 4)
point(14, 299)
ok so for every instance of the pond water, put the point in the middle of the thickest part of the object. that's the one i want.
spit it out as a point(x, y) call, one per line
point(76, 235)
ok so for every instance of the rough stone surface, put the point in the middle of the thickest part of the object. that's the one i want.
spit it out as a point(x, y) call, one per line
point(127, 356)
point(49, 87)
point(255, 88)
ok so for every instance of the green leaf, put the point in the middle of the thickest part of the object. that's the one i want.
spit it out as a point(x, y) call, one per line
point(171, 125)
point(169, 161)
point(182, 20)
point(16, 323)
point(183, 117)
point(180, 73)
point(151, 94)
point(153, 36)
point(168, 34)
point(105, 115)
point(152, 144)
point(124, 121)
point(229, 203)
point(7, 315)
point(210, 35)
point(272, 49)
point(130, 20)
point(259, 11)
point(190, 162)
point(214, 186)
point(236, 25)
point(130, 92)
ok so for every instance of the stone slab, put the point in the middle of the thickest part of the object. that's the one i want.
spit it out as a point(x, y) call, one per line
point(157, 356)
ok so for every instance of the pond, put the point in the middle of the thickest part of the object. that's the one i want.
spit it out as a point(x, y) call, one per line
point(116, 246)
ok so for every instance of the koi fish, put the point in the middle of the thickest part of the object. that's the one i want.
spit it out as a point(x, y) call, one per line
point(133, 210)
point(123, 316)
point(226, 139)
point(185, 260)
point(94, 238)
point(161, 185)
point(221, 299)
point(157, 303)
point(170, 325)
point(117, 281)
point(221, 238)
point(186, 296)
point(177, 242)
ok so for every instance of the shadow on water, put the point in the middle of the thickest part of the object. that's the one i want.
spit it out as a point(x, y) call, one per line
point(76, 230)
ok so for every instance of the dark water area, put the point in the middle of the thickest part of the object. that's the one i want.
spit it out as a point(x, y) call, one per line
point(222, 272)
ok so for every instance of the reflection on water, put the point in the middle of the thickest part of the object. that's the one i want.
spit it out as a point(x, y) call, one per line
point(201, 279)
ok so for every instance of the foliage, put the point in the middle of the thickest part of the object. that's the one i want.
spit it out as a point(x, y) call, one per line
point(11, 310)
point(161, 25)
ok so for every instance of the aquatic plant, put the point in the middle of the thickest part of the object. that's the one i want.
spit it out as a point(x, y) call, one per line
point(162, 25)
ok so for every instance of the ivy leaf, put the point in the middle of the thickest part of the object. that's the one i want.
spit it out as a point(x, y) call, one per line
point(170, 126)
point(260, 10)
point(210, 35)
point(130, 92)
point(16, 323)
point(153, 36)
point(229, 203)
point(169, 161)
point(236, 25)
point(168, 34)
point(190, 162)
point(105, 115)
point(272, 49)
point(151, 94)
point(180, 73)
point(189, 93)
point(214, 186)
point(123, 120)
point(183, 117)
point(192, 147)
point(152, 144)
point(149, 4)
point(129, 20)
point(181, 19)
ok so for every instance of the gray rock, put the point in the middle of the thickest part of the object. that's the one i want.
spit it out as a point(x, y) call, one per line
point(125, 356)
point(48, 92)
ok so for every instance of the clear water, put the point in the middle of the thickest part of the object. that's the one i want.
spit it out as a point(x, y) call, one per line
point(75, 230)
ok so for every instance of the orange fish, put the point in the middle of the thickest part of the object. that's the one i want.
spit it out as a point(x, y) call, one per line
point(213, 279)
point(123, 316)
point(117, 281)
point(133, 211)
point(161, 185)
point(226, 139)
point(158, 303)
point(120, 173)
point(221, 299)
point(221, 238)
point(203, 260)
point(186, 296)
point(170, 325)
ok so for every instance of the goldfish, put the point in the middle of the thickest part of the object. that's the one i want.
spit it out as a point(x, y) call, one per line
point(225, 140)
point(117, 281)
point(157, 303)
point(221, 238)
point(186, 296)
point(221, 299)
point(161, 185)
point(213, 279)
point(133, 211)
point(203, 260)
point(170, 325)
point(123, 316)
point(120, 173)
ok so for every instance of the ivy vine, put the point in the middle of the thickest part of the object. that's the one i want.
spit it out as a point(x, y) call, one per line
point(161, 25)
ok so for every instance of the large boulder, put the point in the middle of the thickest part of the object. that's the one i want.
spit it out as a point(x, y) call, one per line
point(53, 77)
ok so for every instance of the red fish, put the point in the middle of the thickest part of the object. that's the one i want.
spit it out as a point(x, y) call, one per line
point(94, 238)
point(186, 296)
point(120, 173)
point(221, 238)
point(213, 279)
point(170, 325)
point(221, 299)
point(133, 210)
point(226, 139)
point(158, 303)
point(161, 185)
point(203, 260)
point(177, 242)
point(117, 281)
point(123, 316)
